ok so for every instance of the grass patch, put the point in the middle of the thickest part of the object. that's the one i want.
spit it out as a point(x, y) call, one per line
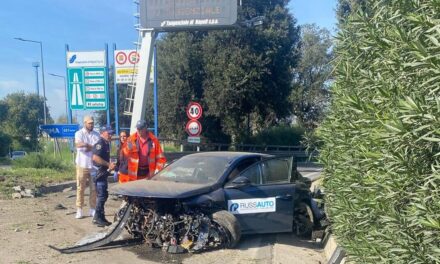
point(42, 161)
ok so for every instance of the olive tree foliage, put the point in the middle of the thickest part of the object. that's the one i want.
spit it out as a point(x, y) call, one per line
point(23, 115)
point(312, 76)
point(381, 139)
point(240, 76)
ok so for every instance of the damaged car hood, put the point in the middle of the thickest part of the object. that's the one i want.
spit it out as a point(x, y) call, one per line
point(159, 189)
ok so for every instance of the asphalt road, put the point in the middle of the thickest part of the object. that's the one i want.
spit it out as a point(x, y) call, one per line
point(28, 226)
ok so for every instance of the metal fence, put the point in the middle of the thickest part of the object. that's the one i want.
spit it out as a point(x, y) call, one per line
point(183, 147)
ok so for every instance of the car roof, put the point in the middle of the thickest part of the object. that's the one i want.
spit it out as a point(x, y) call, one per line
point(229, 154)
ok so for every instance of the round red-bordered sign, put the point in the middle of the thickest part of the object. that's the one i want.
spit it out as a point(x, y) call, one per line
point(121, 58)
point(133, 57)
point(193, 128)
point(194, 110)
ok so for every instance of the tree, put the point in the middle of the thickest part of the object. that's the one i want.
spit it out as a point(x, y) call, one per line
point(24, 115)
point(180, 79)
point(310, 93)
point(241, 77)
point(381, 137)
point(346, 7)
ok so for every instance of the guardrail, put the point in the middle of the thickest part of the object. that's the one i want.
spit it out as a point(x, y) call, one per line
point(185, 148)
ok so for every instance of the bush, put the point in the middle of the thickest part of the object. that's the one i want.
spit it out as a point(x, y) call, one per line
point(5, 142)
point(40, 161)
point(280, 135)
point(381, 138)
point(5, 161)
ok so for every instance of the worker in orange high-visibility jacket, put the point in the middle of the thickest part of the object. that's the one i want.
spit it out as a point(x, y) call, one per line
point(141, 155)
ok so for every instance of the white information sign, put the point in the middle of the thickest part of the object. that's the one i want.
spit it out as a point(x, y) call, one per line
point(252, 206)
point(193, 139)
point(126, 66)
point(86, 59)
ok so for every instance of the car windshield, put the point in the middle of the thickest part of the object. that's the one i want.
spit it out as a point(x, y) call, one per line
point(18, 153)
point(194, 169)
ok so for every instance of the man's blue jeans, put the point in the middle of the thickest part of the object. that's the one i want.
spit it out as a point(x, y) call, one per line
point(101, 197)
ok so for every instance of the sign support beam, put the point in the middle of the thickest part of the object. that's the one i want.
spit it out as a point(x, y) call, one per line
point(143, 77)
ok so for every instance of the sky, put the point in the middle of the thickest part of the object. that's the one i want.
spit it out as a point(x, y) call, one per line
point(85, 25)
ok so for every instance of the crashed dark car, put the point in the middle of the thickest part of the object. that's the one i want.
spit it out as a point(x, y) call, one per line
point(208, 200)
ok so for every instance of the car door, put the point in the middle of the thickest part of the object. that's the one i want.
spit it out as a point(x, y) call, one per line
point(266, 204)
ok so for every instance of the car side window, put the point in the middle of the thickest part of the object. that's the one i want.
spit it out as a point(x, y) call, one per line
point(241, 167)
point(276, 170)
point(253, 173)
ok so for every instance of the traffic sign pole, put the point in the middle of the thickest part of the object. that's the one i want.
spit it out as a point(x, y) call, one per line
point(69, 112)
point(107, 97)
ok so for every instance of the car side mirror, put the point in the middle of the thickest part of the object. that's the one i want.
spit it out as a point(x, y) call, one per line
point(238, 182)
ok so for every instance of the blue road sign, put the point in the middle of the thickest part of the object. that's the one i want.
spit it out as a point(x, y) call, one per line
point(60, 130)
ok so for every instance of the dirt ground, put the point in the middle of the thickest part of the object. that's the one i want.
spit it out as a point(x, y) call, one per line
point(28, 226)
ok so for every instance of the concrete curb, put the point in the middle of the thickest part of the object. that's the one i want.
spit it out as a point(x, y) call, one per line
point(57, 187)
point(61, 186)
point(334, 253)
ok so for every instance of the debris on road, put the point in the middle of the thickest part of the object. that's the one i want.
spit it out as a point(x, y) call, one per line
point(60, 207)
point(67, 189)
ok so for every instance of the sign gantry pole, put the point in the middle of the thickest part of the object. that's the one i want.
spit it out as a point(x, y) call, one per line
point(115, 87)
point(143, 77)
point(156, 111)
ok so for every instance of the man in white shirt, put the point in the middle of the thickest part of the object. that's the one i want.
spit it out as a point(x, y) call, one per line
point(85, 138)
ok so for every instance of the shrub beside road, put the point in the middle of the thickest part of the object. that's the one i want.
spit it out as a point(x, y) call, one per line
point(381, 137)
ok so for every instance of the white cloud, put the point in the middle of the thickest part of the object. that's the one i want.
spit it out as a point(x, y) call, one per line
point(12, 86)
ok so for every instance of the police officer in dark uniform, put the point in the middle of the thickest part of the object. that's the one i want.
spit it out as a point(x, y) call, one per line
point(103, 166)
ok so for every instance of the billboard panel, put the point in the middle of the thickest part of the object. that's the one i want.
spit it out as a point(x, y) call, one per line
point(174, 15)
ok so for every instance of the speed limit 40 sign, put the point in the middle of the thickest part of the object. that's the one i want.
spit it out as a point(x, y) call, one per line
point(194, 110)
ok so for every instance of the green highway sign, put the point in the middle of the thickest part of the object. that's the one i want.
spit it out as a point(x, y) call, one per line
point(87, 88)
point(87, 78)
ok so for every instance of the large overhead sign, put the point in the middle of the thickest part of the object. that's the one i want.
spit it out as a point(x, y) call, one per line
point(173, 15)
point(87, 78)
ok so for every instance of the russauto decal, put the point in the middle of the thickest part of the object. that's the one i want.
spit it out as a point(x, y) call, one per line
point(251, 206)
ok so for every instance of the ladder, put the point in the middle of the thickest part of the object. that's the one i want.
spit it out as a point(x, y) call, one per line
point(131, 88)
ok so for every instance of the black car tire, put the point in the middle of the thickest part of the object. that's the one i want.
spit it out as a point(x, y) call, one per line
point(231, 226)
point(303, 221)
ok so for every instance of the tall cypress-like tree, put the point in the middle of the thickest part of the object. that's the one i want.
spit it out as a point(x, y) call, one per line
point(381, 138)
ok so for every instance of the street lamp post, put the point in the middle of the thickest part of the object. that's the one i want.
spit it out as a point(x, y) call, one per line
point(36, 65)
point(42, 72)
point(65, 92)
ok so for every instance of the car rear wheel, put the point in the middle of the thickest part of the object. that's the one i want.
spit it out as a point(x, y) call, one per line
point(231, 227)
point(303, 221)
